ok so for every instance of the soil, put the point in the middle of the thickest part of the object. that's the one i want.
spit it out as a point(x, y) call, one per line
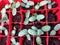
point(3, 41)
point(18, 9)
point(17, 39)
point(17, 18)
point(26, 26)
point(51, 16)
point(54, 41)
point(27, 42)
point(55, 5)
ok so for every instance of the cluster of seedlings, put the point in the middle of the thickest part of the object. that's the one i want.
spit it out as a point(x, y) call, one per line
point(35, 31)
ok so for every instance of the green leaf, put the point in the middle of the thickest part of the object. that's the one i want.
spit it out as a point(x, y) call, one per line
point(23, 32)
point(32, 32)
point(13, 40)
point(17, 4)
point(27, 6)
point(17, 43)
point(35, 14)
point(46, 28)
point(40, 17)
point(2, 28)
point(42, 3)
point(7, 6)
point(57, 27)
point(34, 28)
point(53, 32)
point(3, 11)
point(39, 32)
point(22, 4)
point(5, 17)
point(38, 40)
point(11, 1)
point(25, 1)
point(27, 14)
point(6, 32)
point(32, 19)
point(28, 37)
point(26, 21)
point(13, 32)
point(37, 7)
point(14, 11)
point(14, 5)
point(30, 3)
point(49, 4)
point(53, 3)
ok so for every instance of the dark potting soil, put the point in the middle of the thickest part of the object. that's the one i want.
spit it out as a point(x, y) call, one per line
point(54, 5)
point(18, 9)
point(54, 41)
point(51, 16)
point(3, 41)
point(17, 18)
point(27, 42)
point(26, 26)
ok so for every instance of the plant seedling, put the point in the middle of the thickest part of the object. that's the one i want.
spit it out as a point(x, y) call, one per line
point(24, 32)
point(4, 29)
point(50, 4)
point(4, 16)
point(33, 18)
point(27, 17)
point(36, 32)
point(14, 41)
point(56, 28)
point(14, 6)
point(46, 28)
point(27, 4)
point(38, 40)
point(13, 31)
point(42, 3)
point(36, 17)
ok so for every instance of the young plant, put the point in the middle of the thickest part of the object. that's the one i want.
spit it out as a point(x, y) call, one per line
point(14, 41)
point(4, 15)
point(4, 29)
point(33, 18)
point(36, 32)
point(13, 32)
point(50, 4)
point(42, 3)
point(56, 28)
point(24, 32)
point(27, 17)
point(14, 6)
point(27, 3)
point(36, 17)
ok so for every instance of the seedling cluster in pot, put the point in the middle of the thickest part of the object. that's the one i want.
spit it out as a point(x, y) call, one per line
point(28, 17)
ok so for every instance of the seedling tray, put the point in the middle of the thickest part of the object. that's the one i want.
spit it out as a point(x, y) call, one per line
point(19, 24)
